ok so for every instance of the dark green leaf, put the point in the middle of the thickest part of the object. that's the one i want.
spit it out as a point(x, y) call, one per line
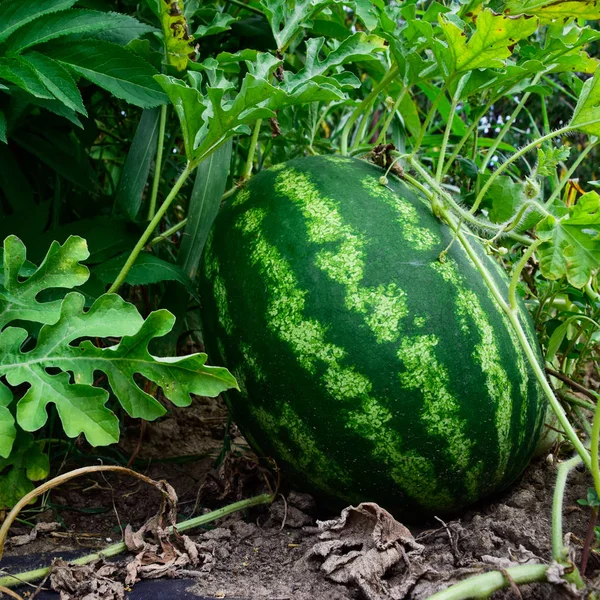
point(57, 79)
point(203, 205)
point(137, 164)
point(113, 68)
point(23, 75)
point(287, 17)
point(16, 13)
point(57, 158)
point(148, 268)
point(74, 21)
point(13, 183)
point(3, 137)
point(27, 462)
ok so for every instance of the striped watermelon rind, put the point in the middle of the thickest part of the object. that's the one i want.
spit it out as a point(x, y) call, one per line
point(369, 370)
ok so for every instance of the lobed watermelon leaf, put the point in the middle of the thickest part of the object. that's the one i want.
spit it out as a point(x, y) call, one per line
point(491, 43)
point(59, 363)
point(60, 269)
point(571, 245)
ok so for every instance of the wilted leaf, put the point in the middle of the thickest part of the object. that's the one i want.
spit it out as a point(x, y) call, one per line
point(572, 244)
point(490, 44)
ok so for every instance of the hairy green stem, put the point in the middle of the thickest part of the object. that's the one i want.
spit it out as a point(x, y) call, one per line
point(483, 586)
point(513, 317)
point(516, 274)
point(509, 161)
point(115, 549)
point(558, 549)
point(391, 75)
point(252, 150)
point(514, 222)
point(570, 172)
point(455, 100)
point(158, 162)
point(151, 227)
point(465, 215)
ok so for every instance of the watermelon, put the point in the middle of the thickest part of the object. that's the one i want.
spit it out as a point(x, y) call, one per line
point(368, 368)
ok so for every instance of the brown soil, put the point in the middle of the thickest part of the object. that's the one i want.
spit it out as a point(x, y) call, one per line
point(267, 553)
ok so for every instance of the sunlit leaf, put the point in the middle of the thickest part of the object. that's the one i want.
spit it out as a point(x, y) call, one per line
point(491, 43)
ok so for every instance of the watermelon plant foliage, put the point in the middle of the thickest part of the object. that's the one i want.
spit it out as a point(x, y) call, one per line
point(487, 109)
point(60, 361)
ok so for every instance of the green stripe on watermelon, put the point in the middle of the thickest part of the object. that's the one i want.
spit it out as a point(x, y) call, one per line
point(329, 287)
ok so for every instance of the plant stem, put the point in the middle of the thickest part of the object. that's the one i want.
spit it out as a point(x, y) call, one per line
point(392, 73)
point(429, 117)
point(594, 441)
point(114, 549)
point(458, 147)
point(167, 233)
point(465, 215)
point(391, 116)
point(516, 274)
point(558, 550)
point(570, 172)
point(158, 162)
point(483, 586)
point(501, 168)
point(151, 227)
point(512, 315)
point(455, 99)
point(251, 150)
point(56, 481)
point(515, 113)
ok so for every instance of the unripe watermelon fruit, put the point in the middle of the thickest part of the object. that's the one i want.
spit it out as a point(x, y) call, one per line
point(369, 370)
